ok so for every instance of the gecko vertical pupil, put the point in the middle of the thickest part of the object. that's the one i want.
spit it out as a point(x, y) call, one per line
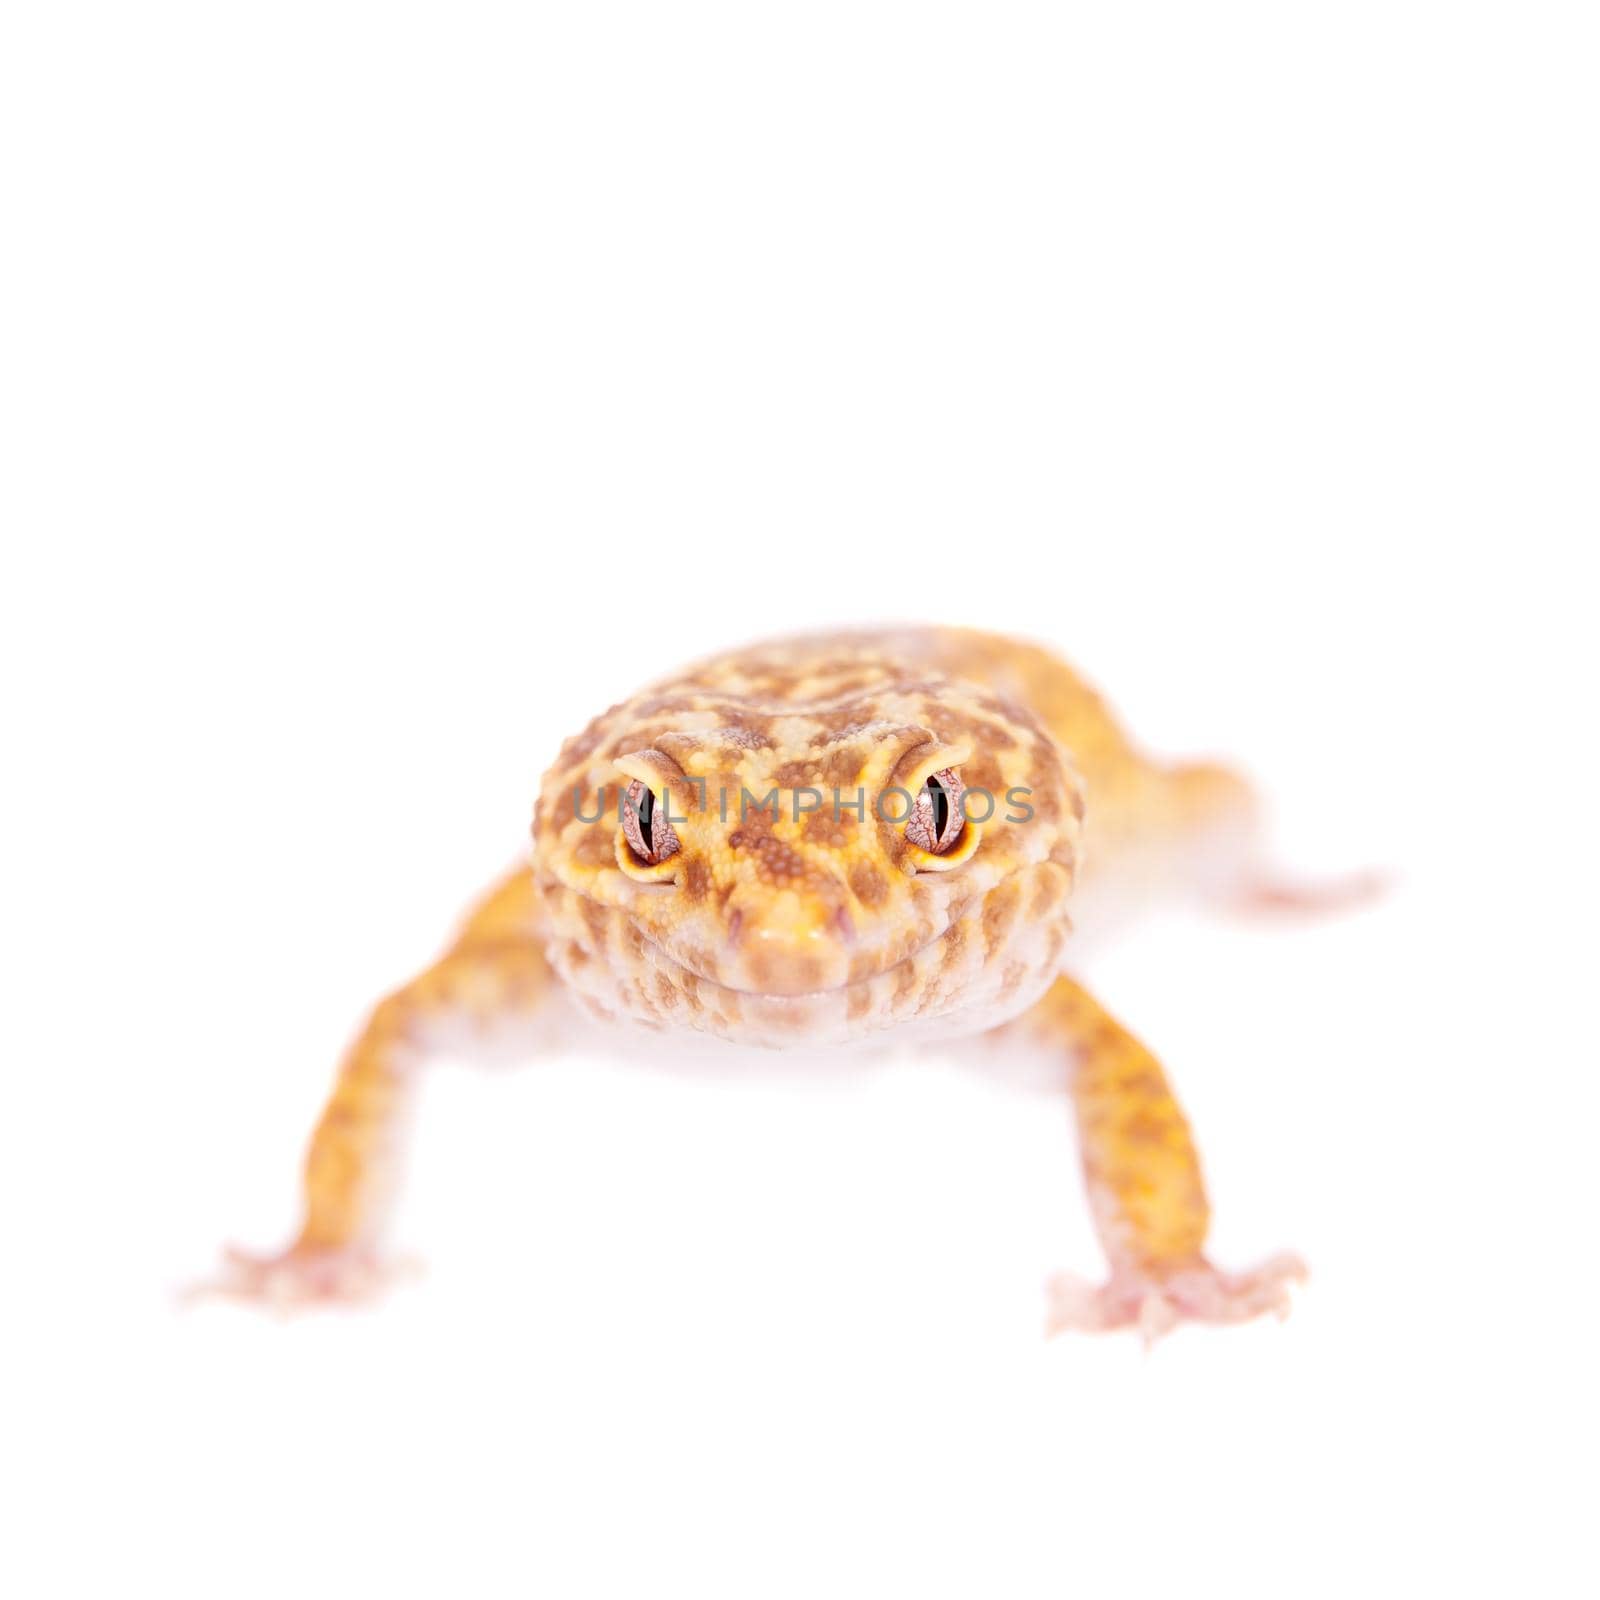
point(937, 821)
point(647, 827)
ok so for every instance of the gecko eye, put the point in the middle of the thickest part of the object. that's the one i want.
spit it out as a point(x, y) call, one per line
point(936, 822)
point(644, 824)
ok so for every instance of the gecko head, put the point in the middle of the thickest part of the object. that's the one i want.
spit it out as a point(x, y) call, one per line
point(806, 859)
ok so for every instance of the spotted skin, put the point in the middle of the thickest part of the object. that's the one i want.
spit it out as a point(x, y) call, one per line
point(795, 910)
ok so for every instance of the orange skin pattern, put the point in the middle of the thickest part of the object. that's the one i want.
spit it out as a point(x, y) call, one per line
point(782, 922)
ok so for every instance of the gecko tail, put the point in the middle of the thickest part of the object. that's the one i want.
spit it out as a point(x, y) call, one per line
point(1272, 895)
point(1219, 805)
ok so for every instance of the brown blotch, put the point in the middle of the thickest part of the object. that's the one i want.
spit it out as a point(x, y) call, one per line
point(1047, 894)
point(793, 775)
point(561, 802)
point(1000, 914)
point(754, 827)
point(1006, 710)
point(696, 878)
point(905, 983)
point(778, 682)
point(823, 828)
point(983, 772)
point(1046, 806)
point(992, 734)
point(783, 860)
point(854, 685)
point(843, 766)
point(1146, 1128)
point(806, 971)
point(595, 847)
point(868, 884)
point(863, 965)
point(578, 749)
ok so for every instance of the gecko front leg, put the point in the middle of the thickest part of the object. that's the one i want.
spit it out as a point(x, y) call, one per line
point(1145, 1188)
point(494, 971)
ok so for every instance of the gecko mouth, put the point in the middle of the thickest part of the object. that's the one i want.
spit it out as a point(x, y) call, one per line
point(797, 995)
point(742, 974)
point(708, 981)
point(695, 977)
point(978, 968)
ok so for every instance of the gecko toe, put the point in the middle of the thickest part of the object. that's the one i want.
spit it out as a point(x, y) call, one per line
point(301, 1278)
point(1156, 1303)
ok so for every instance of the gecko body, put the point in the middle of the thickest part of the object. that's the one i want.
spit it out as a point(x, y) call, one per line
point(818, 842)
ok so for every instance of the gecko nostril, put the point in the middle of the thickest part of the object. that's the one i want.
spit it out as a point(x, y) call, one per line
point(734, 923)
point(843, 925)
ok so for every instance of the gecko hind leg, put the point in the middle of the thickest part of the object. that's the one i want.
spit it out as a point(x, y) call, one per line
point(1145, 1189)
point(494, 970)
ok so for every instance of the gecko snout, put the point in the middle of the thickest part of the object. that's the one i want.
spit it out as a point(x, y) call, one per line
point(790, 942)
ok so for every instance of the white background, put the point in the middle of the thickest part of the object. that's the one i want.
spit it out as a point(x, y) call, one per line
point(387, 389)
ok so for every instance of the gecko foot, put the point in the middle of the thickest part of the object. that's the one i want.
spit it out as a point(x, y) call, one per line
point(1155, 1305)
point(300, 1278)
